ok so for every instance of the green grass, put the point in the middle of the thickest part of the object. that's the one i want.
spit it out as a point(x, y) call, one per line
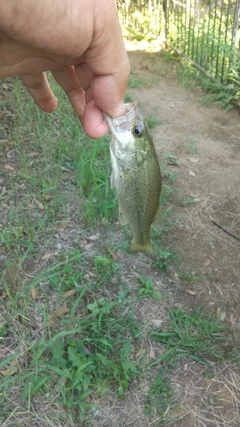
point(136, 82)
point(146, 289)
point(191, 146)
point(226, 96)
point(196, 335)
point(152, 122)
point(83, 349)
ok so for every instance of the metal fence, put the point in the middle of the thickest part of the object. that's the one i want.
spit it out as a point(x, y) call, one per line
point(142, 15)
point(205, 32)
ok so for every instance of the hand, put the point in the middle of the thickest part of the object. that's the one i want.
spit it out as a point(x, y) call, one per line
point(80, 42)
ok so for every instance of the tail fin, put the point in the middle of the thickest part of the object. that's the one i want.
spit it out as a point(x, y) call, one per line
point(146, 249)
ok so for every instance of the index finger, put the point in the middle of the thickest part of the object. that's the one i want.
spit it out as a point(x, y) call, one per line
point(107, 59)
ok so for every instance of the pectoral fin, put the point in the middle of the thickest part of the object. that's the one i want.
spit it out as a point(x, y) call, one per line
point(158, 219)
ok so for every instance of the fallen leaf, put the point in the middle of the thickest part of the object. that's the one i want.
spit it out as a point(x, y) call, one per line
point(83, 243)
point(4, 294)
point(94, 237)
point(69, 293)
point(113, 255)
point(47, 256)
point(207, 262)
point(222, 315)
point(89, 246)
point(177, 304)
point(151, 354)
point(139, 354)
point(3, 351)
point(190, 292)
point(40, 205)
point(156, 322)
point(9, 167)
point(191, 173)
point(62, 310)
point(33, 154)
point(53, 324)
point(64, 224)
point(193, 159)
point(9, 371)
point(48, 197)
point(34, 293)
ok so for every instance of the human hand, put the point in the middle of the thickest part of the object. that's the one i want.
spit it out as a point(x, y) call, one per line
point(80, 42)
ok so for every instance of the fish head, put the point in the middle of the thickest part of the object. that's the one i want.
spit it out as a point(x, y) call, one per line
point(128, 131)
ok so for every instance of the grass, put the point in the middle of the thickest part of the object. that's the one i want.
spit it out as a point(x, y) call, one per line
point(196, 335)
point(191, 146)
point(83, 349)
point(70, 298)
point(146, 289)
point(152, 122)
point(226, 96)
point(136, 82)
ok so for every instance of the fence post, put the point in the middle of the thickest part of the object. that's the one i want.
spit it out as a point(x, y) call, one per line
point(164, 24)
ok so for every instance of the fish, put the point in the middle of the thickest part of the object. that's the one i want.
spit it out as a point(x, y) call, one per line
point(136, 175)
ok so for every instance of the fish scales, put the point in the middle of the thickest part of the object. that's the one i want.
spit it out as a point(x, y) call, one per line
point(136, 175)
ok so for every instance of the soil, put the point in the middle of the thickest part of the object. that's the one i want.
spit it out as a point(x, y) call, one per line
point(199, 150)
point(205, 144)
point(202, 146)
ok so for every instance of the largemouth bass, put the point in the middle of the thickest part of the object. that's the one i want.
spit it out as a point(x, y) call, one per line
point(135, 175)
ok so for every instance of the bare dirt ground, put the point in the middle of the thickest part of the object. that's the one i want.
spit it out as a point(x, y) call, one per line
point(205, 141)
point(200, 147)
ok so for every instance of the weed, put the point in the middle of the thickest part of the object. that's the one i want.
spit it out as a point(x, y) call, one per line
point(3, 332)
point(190, 201)
point(136, 82)
point(103, 267)
point(172, 160)
point(152, 122)
point(160, 394)
point(194, 335)
point(227, 95)
point(191, 146)
point(188, 277)
point(155, 81)
point(89, 358)
point(163, 257)
point(128, 98)
point(93, 174)
point(166, 193)
point(146, 289)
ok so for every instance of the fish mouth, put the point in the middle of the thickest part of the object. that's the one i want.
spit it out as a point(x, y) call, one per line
point(123, 122)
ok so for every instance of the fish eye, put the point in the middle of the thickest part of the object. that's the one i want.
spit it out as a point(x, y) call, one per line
point(138, 130)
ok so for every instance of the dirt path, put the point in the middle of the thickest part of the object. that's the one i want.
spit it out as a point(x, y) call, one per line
point(201, 146)
point(205, 142)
